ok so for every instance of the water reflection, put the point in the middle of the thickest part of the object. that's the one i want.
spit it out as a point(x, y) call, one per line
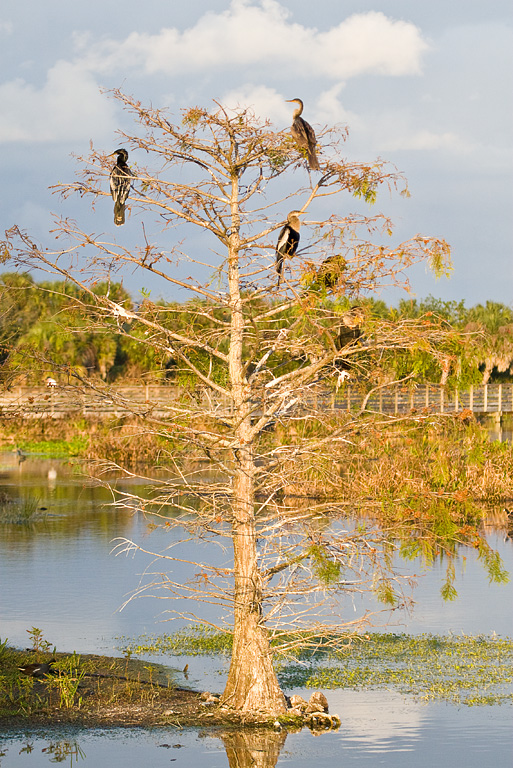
point(378, 728)
point(498, 432)
point(60, 575)
point(58, 572)
point(253, 749)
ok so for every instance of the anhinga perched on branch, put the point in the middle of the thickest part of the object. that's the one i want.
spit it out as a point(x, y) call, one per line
point(350, 329)
point(349, 332)
point(304, 135)
point(288, 240)
point(120, 181)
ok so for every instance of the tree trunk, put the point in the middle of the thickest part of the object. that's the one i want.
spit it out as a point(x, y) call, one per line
point(252, 683)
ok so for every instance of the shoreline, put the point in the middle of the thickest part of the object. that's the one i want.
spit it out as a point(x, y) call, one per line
point(108, 692)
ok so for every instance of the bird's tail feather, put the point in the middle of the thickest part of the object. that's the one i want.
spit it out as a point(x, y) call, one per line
point(312, 159)
point(119, 214)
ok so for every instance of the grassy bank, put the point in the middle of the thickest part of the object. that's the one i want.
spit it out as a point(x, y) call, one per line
point(122, 440)
point(103, 692)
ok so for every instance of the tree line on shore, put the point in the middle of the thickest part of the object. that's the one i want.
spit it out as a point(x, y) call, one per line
point(45, 326)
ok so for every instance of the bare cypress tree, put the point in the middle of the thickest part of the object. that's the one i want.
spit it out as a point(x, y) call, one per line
point(256, 363)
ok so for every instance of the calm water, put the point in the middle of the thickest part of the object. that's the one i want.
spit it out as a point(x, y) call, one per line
point(377, 730)
point(60, 575)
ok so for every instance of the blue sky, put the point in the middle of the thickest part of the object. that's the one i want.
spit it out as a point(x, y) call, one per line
point(426, 86)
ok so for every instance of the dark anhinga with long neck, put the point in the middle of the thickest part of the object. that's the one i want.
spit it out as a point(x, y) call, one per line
point(120, 181)
point(288, 240)
point(304, 135)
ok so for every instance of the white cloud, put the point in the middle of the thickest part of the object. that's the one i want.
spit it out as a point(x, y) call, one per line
point(370, 42)
point(265, 102)
point(250, 33)
point(330, 110)
point(68, 107)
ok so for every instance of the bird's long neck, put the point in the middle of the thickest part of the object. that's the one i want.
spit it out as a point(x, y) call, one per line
point(298, 110)
point(294, 223)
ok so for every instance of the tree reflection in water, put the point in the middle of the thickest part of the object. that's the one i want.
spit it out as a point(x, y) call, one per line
point(253, 749)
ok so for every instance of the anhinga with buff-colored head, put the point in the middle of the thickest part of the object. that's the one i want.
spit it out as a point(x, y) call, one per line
point(304, 135)
point(120, 182)
point(349, 334)
point(288, 240)
point(351, 327)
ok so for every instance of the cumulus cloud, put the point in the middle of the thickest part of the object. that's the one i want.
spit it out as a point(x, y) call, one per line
point(330, 110)
point(251, 33)
point(265, 102)
point(67, 107)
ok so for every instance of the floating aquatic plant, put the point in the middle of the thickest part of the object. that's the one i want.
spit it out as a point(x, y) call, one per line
point(463, 669)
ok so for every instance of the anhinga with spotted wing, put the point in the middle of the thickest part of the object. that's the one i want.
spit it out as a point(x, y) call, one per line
point(288, 240)
point(120, 182)
point(304, 135)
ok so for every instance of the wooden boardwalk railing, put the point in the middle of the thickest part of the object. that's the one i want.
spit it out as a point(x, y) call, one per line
point(61, 401)
point(488, 398)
